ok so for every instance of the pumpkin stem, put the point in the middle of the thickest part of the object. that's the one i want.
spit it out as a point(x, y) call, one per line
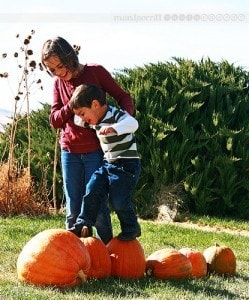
point(149, 271)
point(81, 276)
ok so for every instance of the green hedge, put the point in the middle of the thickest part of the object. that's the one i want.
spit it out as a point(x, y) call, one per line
point(193, 131)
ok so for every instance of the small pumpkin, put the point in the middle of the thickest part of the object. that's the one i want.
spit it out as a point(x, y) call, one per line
point(199, 264)
point(127, 257)
point(101, 262)
point(220, 260)
point(168, 264)
point(54, 257)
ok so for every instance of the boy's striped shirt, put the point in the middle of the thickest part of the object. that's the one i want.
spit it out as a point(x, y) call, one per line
point(116, 145)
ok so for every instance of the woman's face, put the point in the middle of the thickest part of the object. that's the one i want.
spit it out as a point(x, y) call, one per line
point(56, 67)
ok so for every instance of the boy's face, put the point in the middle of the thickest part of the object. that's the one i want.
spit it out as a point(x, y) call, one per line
point(92, 114)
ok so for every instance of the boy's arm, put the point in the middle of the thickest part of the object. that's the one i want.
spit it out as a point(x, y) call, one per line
point(126, 124)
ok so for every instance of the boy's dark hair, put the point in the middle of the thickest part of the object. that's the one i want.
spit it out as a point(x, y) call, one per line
point(84, 95)
point(61, 48)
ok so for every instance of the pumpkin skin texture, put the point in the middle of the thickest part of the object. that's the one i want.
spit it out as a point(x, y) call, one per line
point(168, 264)
point(220, 260)
point(53, 257)
point(199, 264)
point(101, 262)
point(127, 257)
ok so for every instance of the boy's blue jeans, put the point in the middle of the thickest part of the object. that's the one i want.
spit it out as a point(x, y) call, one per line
point(116, 180)
point(77, 169)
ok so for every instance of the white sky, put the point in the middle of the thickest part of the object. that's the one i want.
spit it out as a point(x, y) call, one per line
point(158, 31)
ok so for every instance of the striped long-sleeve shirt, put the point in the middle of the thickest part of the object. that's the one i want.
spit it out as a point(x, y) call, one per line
point(121, 144)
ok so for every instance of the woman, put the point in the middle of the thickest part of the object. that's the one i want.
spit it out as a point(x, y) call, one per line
point(81, 154)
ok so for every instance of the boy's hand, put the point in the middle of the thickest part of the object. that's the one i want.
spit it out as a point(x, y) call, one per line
point(105, 130)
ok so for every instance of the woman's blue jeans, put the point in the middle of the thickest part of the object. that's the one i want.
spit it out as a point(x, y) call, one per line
point(77, 169)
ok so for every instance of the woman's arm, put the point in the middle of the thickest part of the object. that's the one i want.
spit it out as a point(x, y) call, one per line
point(108, 83)
point(60, 112)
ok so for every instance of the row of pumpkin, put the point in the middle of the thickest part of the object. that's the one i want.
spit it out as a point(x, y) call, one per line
point(56, 257)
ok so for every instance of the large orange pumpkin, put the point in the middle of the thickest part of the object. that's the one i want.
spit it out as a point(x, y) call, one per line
point(53, 257)
point(101, 262)
point(168, 264)
point(127, 257)
point(199, 264)
point(220, 260)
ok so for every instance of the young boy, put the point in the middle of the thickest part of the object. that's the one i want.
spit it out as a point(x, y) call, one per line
point(118, 175)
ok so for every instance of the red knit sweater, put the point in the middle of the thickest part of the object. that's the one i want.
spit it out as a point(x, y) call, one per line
point(74, 138)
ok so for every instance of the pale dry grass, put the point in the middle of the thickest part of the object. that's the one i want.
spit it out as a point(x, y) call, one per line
point(17, 195)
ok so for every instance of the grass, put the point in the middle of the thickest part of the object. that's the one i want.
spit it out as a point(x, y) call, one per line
point(16, 231)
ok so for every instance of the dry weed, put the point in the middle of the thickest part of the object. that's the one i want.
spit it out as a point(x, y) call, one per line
point(17, 195)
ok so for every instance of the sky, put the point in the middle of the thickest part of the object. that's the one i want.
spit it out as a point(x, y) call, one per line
point(120, 34)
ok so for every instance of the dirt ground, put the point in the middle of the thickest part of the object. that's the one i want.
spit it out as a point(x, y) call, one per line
point(215, 229)
point(168, 214)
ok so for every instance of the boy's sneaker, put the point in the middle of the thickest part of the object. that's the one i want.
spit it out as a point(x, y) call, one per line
point(75, 230)
point(130, 236)
point(81, 230)
point(86, 231)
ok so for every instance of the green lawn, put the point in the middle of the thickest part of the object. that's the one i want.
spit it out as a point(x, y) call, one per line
point(16, 231)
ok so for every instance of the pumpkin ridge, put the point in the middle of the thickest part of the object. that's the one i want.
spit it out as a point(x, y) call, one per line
point(54, 276)
point(100, 258)
point(52, 264)
point(199, 264)
point(72, 249)
point(168, 263)
point(51, 278)
point(46, 241)
point(127, 257)
point(76, 263)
